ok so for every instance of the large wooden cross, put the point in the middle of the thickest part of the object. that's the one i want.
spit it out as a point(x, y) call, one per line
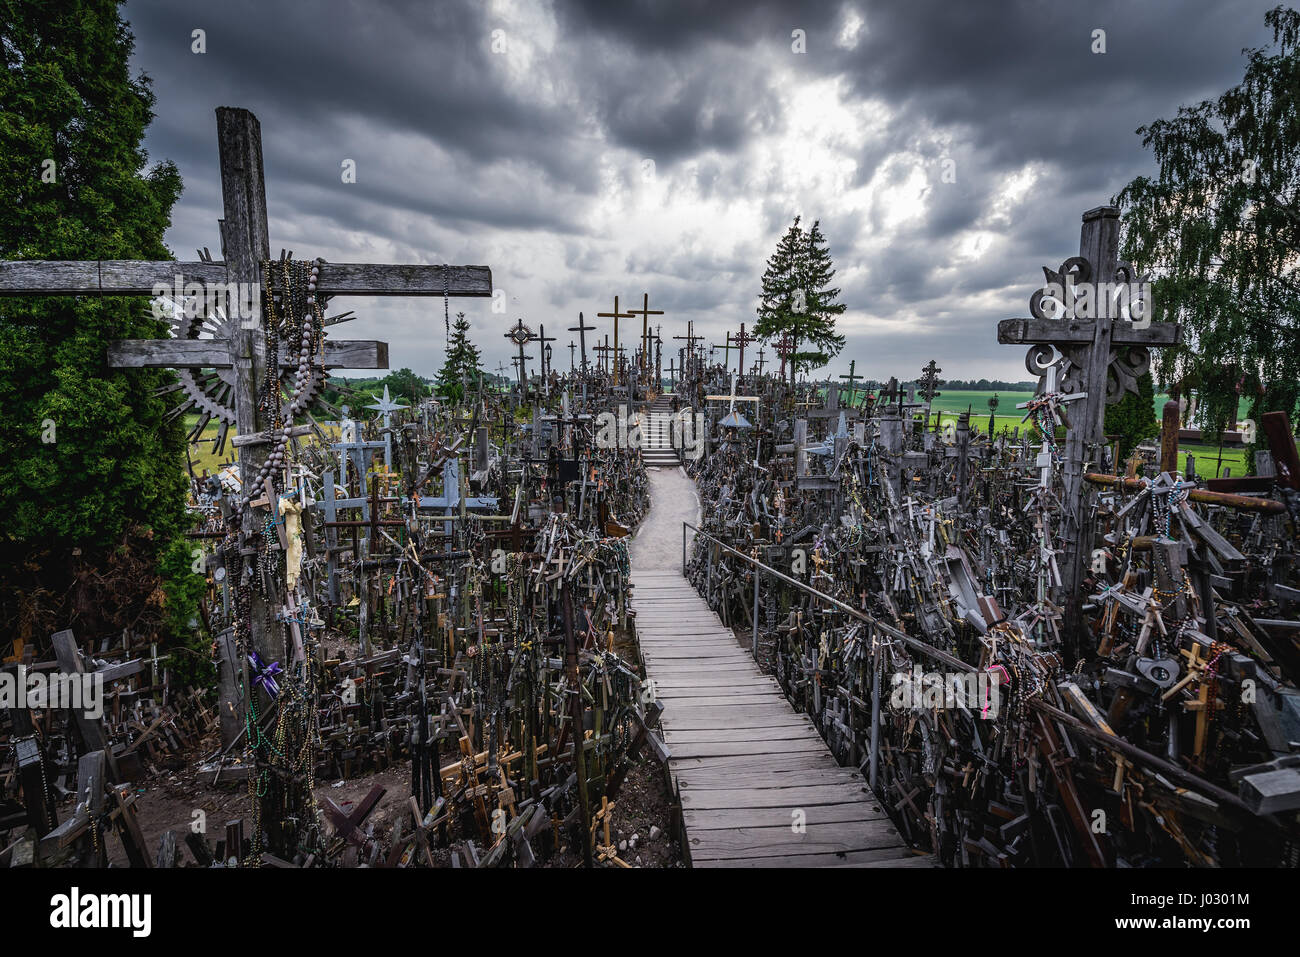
point(582, 329)
point(616, 316)
point(645, 312)
point(1100, 357)
point(245, 241)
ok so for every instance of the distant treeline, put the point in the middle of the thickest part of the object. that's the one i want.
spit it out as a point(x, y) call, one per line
point(983, 385)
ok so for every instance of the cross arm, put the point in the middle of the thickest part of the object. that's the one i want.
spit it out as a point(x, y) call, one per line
point(1080, 331)
point(215, 354)
point(121, 277)
point(132, 277)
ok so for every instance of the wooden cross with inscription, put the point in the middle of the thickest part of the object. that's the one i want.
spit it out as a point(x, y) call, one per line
point(241, 349)
point(1101, 357)
point(616, 316)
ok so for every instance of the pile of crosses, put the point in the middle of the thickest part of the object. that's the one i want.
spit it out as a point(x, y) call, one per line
point(1037, 654)
point(67, 775)
point(444, 585)
point(451, 582)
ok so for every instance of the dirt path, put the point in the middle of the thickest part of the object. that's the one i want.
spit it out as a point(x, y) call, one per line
point(658, 540)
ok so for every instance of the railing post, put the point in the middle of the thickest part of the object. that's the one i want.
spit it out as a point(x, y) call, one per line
point(754, 640)
point(877, 660)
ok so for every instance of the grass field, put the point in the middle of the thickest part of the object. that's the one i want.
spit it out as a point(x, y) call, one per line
point(950, 403)
point(202, 455)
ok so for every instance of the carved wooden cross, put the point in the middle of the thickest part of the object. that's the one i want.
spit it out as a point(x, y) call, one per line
point(1102, 357)
point(785, 349)
point(240, 351)
point(741, 341)
point(521, 335)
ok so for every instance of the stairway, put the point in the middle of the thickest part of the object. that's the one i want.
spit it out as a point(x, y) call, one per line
point(656, 437)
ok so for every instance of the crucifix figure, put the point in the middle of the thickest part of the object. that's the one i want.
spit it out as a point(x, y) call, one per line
point(224, 374)
point(645, 312)
point(616, 316)
point(1098, 357)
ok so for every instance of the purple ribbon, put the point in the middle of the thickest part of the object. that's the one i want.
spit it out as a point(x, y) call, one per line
point(264, 674)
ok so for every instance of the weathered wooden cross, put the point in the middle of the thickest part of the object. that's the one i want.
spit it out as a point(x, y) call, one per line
point(241, 346)
point(645, 312)
point(581, 329)
point(616, 316)
point(1102, 357)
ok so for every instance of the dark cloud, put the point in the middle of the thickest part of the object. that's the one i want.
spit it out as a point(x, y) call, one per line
point(530, 157)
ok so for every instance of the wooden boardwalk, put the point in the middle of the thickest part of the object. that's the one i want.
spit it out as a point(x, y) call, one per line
point(747, 766)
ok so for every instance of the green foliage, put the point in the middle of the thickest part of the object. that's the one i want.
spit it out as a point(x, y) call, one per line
point(1219, 231)
point(798, 300)
point(404, 384)
point(462, 361)
point(1133, 417)
point(112, 478)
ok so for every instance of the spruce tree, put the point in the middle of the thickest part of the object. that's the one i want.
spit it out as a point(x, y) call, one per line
point(462, 360)
point(797, 298)
point(92, 482)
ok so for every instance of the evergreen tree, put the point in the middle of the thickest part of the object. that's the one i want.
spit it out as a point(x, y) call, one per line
point(92, 485)
point(462, 359)
point(1219, 230)
point(797, 298)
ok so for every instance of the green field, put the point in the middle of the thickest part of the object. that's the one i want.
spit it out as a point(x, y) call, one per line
point(202, 455)
point(950, 403)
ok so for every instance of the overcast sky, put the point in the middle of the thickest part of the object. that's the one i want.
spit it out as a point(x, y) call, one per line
point(587, 150)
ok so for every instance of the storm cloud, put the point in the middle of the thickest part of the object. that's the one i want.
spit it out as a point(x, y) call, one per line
point(587, 150)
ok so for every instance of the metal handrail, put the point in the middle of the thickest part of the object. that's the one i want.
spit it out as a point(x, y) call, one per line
point(1106, 740)
point(921, 646)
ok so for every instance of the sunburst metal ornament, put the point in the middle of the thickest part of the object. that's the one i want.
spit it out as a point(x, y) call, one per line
point(521, 335)
point(210, 392)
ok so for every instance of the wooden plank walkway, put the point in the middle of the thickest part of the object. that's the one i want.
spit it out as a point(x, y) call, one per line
point(744, 762)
